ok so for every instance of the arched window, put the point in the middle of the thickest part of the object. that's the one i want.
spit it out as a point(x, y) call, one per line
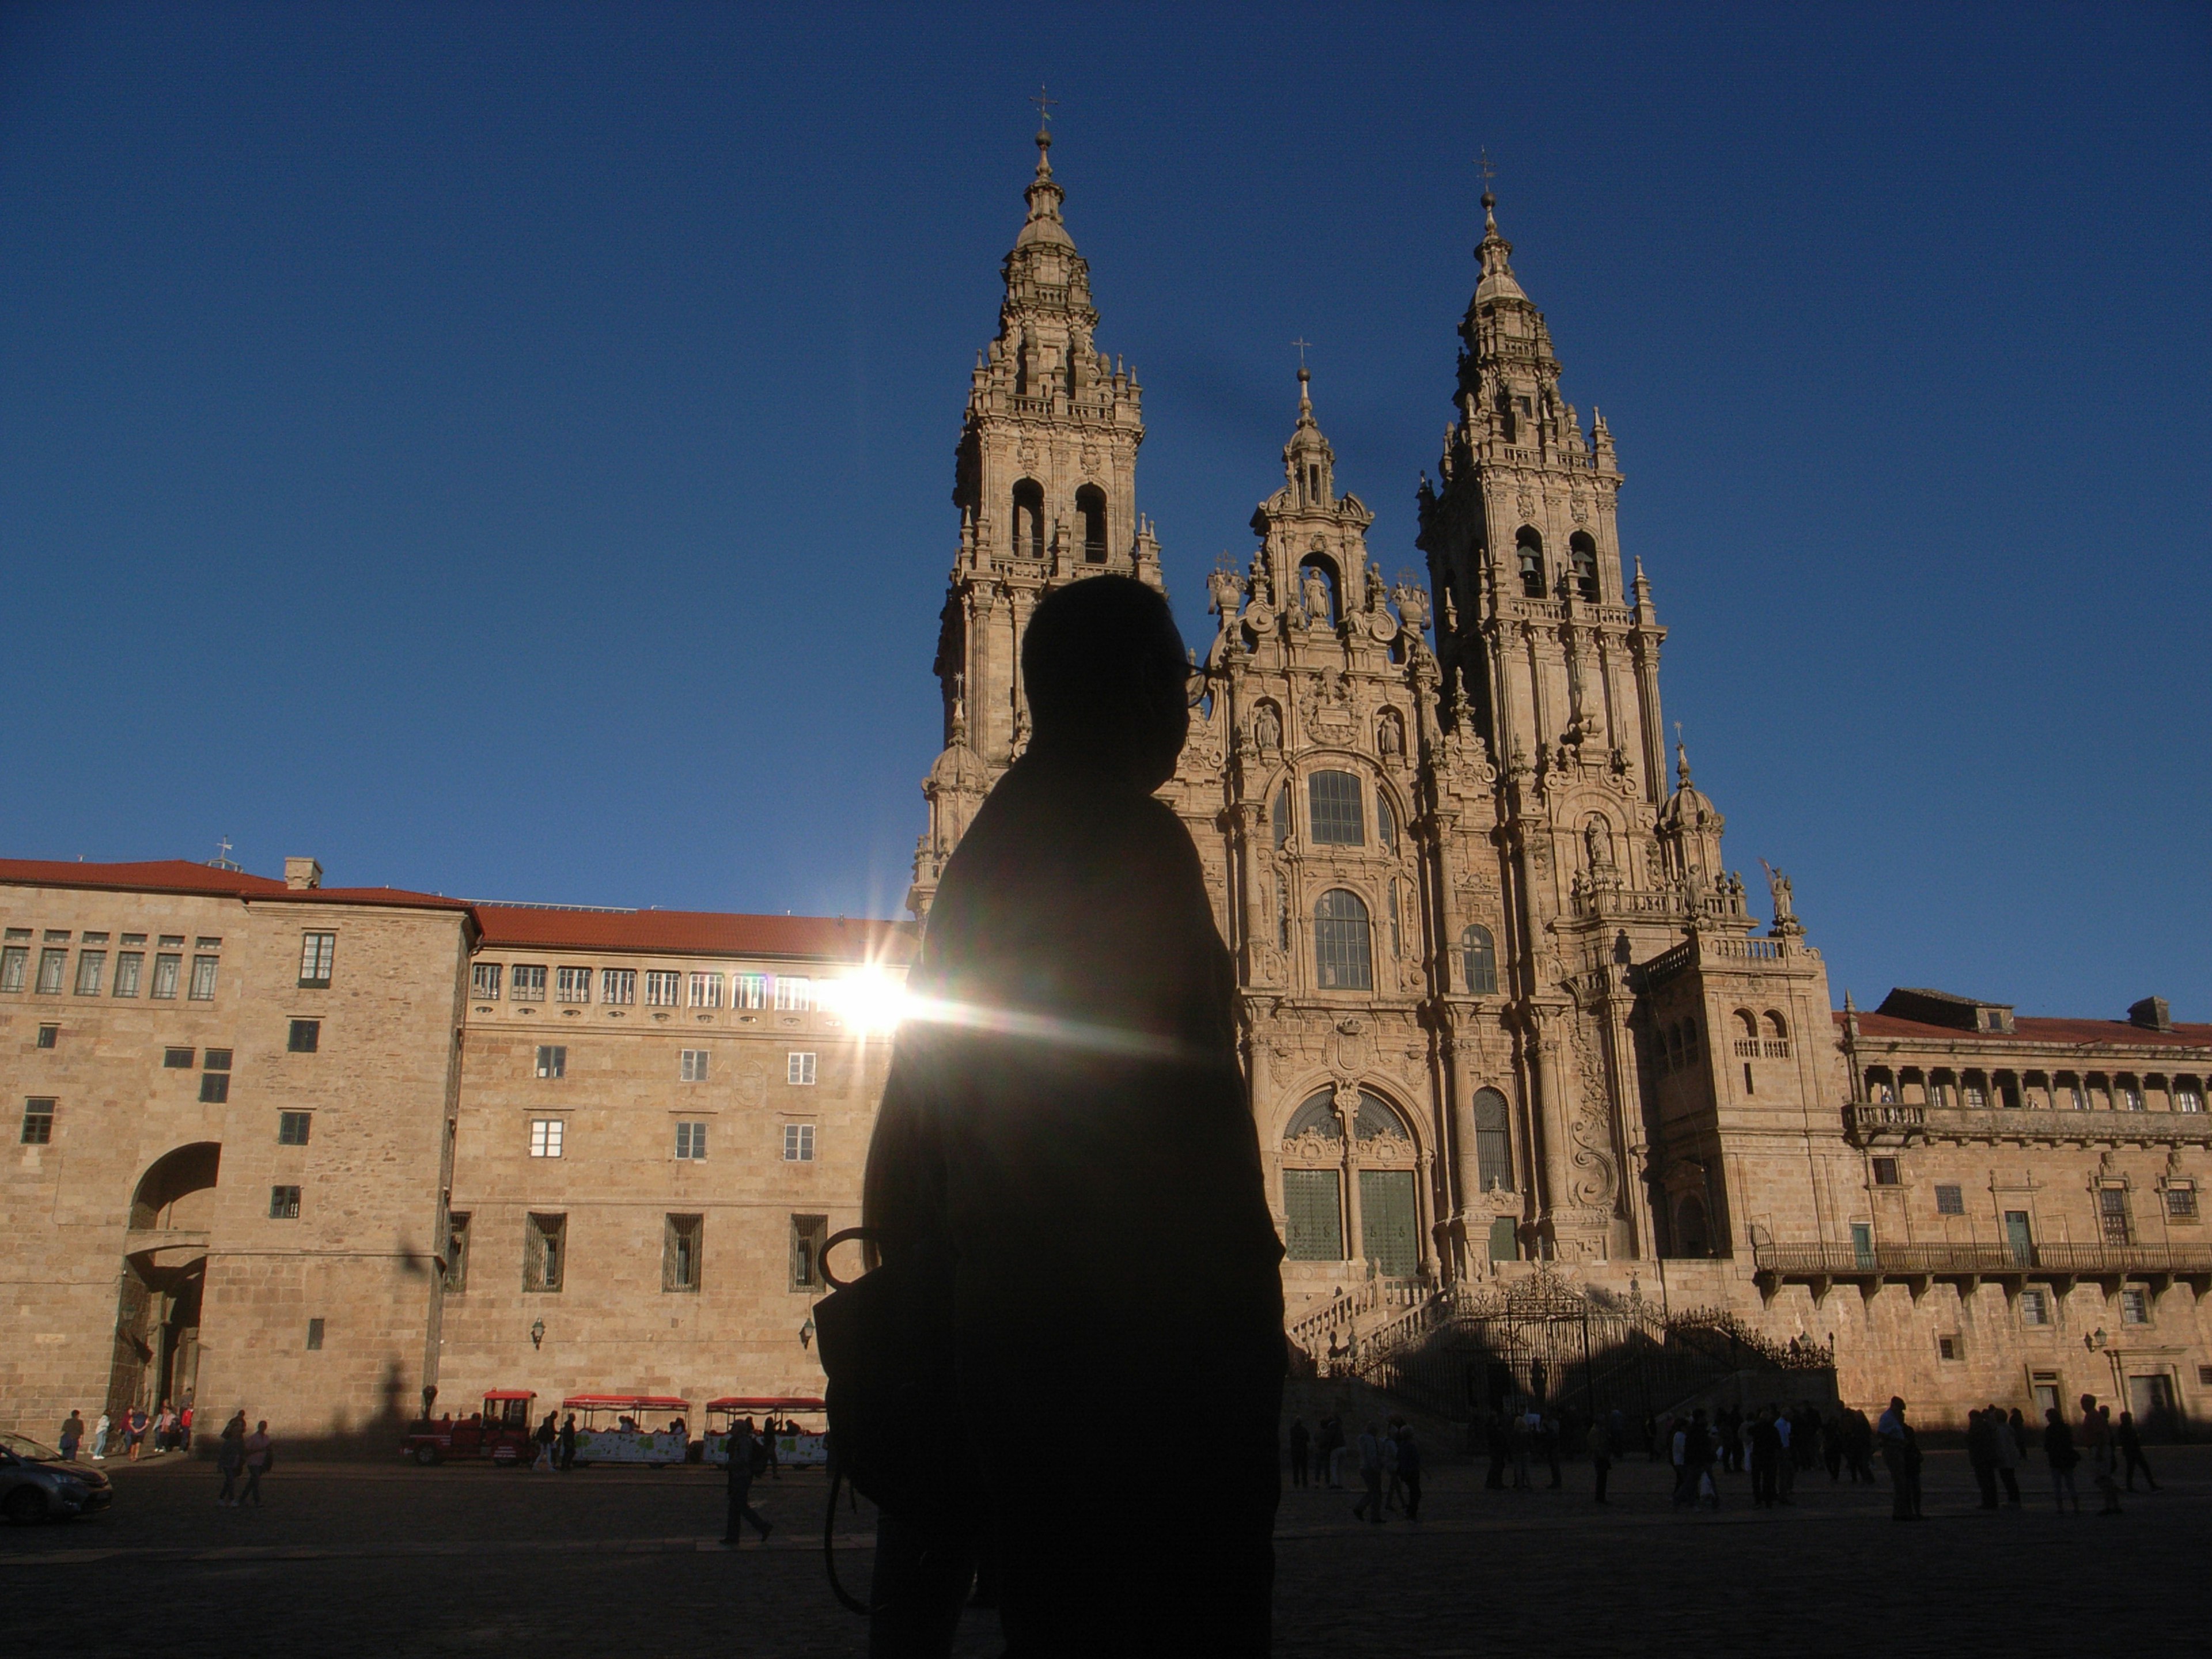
point(1397, 935)
point(1317, 1117)
point(1282, 817)
point(1747, 1028)
point(1378, 1120)
point(1479, 961)
point(1386, 822)
point(1529, 547)
point(1343, 956)
point(1091, 508)
point(1582, 554)
point(1029, 520)
point(1493, 1142)
point(1337, 819)
point(1774, 1027)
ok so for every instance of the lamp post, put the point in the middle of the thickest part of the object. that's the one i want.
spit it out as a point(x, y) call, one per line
point(537, 1333)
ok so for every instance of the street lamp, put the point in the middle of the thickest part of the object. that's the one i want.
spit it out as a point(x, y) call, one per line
point(537, 1333)
point(2095, 1339)
point(806, 1331)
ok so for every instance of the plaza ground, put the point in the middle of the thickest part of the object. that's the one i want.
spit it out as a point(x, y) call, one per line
point(351, 1559)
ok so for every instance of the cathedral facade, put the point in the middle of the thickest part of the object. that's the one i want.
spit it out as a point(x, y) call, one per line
point(1504, 1002)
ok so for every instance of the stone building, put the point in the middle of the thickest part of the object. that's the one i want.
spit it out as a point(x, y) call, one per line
point(1506, 1011)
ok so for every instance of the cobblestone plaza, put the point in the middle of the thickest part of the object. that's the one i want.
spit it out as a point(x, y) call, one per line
point(355, 1559)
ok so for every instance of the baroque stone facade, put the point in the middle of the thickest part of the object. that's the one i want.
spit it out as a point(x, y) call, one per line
point(1505, 1009)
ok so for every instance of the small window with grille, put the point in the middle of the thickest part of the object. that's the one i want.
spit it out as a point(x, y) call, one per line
point(316, 953)
point(283, 1203)
point(1950, 1201)
point(38, 1122)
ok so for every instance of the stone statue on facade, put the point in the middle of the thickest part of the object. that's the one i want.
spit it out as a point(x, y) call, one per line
point(1314, 591)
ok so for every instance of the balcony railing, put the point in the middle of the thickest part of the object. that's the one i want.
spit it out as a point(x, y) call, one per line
point(1868, 1121)
point(1963, 1261)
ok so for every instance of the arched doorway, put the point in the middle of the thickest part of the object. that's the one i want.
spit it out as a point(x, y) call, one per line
point(1323, 1208)
point(157, 1312)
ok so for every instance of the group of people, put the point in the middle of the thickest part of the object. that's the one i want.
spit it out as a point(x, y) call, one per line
point(1389, 1464)
point(170, 1430)
point(239, 1453)
point(2113, 1448)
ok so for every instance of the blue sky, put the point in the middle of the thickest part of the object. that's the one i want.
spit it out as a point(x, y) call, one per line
point(506, 449)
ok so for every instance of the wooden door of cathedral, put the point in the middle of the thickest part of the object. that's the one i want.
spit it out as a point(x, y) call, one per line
point(1387, 1229)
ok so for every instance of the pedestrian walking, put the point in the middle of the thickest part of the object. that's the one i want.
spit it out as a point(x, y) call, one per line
point(1601, 1452)
point(1369, 1506)
point(1495, 1444)
point(567, 1444)
point(72, 1435)
point(1395, 1492)
point(229, 1460)
point(2059, 1451)
point(2131, 1444)
point(1331, 1450)
point(1899, 1456)
point(1686, 1475)
point(1301, 1449)
point(545, 1437)
point(1409, 1469)
point(2008, 1448)
point(2097, 1436)
point(745, 1458)
point(184, 1427)
point(1520, 1431)
point(260, 1458)
point(1982, 1456)
point(99, 1433)
point(1785, 1455)
point(1765, 1453)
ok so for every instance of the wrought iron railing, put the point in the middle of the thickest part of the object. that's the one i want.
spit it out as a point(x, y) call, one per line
point(1992, 1260)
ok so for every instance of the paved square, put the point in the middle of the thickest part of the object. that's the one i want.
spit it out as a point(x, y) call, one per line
point(384, 1561)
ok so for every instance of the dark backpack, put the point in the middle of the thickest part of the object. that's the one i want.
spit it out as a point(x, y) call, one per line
point(756, 1460)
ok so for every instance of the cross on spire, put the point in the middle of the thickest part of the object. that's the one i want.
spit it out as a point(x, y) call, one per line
point(1302, 345)
point(1044, 108)
point(1482, 164)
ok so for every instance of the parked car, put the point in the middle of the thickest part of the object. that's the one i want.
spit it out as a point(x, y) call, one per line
point(35, 1485)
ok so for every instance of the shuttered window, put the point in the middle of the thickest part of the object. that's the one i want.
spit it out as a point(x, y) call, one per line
point(1386, 1224)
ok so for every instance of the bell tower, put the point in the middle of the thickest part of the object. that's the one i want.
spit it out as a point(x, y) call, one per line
point(1045, 481)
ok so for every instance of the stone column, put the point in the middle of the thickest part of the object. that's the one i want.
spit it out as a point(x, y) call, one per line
point(1551, 1112)
point(1426, 1220)
point(1355, 1241)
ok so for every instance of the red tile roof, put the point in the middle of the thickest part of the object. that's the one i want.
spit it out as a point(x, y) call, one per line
point(2031, 1029)
point(513, 926)
point(182, 876)
point(695, 932)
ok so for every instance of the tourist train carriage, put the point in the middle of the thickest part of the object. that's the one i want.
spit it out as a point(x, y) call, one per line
point(808, 1444)
point(630, 1428)
point(500, 1431)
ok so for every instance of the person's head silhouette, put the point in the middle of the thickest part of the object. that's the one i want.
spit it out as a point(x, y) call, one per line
point(1103, 665)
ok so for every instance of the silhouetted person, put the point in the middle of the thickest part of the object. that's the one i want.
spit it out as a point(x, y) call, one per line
point(1067, 1121)
point(2130, 1445)
point(1301, 1449)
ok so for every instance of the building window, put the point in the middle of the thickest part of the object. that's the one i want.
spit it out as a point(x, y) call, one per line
point(1975, 1098)
point(314, 1335)
point(552, 1061)
point(283, 1203)
point(1332, 799)
point(1397, 937)
point(2131, 1098)
point(2134, 1305)
point(164, 977)
point(691, 1142)
point(2112, 1215)
point(2180, 1202)
point(317, 952)
point(680, 1240)
point(49, 1036)
point(748, 991)
point(799, 1068)
point(1313, 1215)
point(798, 1143)
point(307, 1036)
point(484, 981)
point(1386, 822)
point(619, 985)
point(1528, 551)
point(1282, 817)
point(38, 1122)
point(1343, 955)
point(808, 1234)
point(202, 985)
point(91, 969)
point(52, 964)
point(1582, 557)
point(1885, 1172)
point(545, 1135)
point(2035, 1307)
point(215, 1076)
point(1493, 1142)
point(1479, 960)
point(14, 964)
point(571, 985)
point(1950, 1201)
point(129, 965)
point(178, 1059)
point(456, 1253)
point(544, 1252)
point(292, 1127)
point(692, 1066)
point(526, 981)
point(794, 994)
point(706, 990)
point(2187, 1098)
point(661, 987)
point(1947, 1347)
